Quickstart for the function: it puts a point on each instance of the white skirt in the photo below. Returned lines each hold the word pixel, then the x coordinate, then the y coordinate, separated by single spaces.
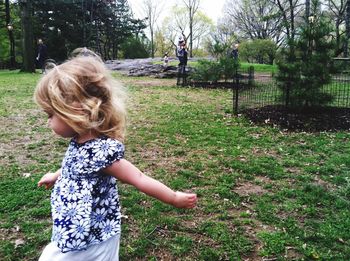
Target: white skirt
pixel 104 251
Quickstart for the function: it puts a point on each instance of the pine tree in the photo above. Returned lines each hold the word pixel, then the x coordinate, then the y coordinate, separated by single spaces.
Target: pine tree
pixel 303 74
pixel 288 75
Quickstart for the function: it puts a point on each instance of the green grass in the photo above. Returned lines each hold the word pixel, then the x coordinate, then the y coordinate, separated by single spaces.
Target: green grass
pixel 262 193
pixel 176 62
pixel 259 68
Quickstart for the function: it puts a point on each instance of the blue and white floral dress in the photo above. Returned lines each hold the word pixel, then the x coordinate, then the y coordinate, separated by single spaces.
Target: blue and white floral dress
pixel 84 201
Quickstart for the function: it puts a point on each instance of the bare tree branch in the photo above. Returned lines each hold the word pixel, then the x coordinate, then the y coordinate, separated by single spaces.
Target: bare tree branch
pixel 152 10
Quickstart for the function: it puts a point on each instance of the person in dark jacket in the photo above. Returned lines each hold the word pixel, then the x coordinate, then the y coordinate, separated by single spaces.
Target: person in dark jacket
pixel 42 55
pixel 234 52
pixel 181 54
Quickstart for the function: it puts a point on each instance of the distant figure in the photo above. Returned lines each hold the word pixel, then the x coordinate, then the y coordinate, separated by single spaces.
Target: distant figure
pixel 165 60
pixel 42 55
pixel 181 54
pixel 234 52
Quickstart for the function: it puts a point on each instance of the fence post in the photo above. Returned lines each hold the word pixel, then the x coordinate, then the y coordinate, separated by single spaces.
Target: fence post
pixel 287 93
pixel 251 76
pixel 235 92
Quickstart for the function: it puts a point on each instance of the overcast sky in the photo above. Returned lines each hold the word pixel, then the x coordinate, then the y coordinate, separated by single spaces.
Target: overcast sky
pixel 212 8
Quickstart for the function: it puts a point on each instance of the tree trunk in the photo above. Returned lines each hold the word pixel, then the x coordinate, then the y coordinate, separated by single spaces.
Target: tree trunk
pixel 347 28
pixel 307 10
pixel 83 8
pixel 152 42
pixel 338 47
pixel 27 36
pixel 191 39
pixel 10 32
pixel 191 14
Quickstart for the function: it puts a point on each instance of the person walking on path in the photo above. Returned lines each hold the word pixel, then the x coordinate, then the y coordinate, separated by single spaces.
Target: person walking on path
pixel 42 55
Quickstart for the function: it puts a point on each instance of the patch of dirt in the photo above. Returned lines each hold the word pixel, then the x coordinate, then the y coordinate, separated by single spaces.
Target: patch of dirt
pixel 290 252
pixel 293 170
pixel 263 77
pixel 19 142
pixel 307 120
pixel 327 185
pixel 263 179
pixel 247 189
pixel 252 232
pixel 14 235
pixel 149 82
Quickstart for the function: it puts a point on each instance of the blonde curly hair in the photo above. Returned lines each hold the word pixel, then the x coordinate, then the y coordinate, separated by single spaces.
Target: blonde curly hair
pixel 82 92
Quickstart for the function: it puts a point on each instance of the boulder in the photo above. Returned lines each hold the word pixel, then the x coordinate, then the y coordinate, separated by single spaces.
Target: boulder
pixel 144 67
pixel 154 70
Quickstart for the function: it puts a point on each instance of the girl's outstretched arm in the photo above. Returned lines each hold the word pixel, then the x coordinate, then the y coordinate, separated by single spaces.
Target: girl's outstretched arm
pixel 49 179
pixel 126 172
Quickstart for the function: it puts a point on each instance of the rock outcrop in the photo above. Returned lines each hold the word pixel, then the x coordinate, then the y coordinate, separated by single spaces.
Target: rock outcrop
pixel 145 67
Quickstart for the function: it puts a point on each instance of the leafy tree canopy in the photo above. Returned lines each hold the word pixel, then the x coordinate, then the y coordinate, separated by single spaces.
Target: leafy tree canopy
pixel 102 26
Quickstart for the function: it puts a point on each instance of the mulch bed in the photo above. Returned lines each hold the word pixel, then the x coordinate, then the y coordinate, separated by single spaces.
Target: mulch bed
pixel 308 120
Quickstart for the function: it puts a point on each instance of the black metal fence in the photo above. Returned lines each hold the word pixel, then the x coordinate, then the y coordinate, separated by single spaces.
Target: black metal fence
pixel 260 94
pixel 4 65
pixel 263 91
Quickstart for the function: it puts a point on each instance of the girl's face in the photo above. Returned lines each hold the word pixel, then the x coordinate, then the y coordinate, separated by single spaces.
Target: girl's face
pixel 60 127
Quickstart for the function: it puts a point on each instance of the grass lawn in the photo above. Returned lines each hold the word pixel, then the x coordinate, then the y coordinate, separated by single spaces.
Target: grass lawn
pixel 258 68
pixel 262 193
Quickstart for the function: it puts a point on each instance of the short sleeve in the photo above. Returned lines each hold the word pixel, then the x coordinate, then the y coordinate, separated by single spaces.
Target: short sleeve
pixel 105 152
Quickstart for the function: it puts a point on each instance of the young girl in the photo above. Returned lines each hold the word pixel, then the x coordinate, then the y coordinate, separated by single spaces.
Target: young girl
pixel 84 103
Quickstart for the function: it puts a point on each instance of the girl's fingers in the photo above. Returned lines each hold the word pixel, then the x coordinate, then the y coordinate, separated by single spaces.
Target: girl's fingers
pixel 41 182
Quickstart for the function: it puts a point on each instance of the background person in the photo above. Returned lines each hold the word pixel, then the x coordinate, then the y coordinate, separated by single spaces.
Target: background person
pixel 234 52
pixel 42 55
pixel 165 60
pixel 181 54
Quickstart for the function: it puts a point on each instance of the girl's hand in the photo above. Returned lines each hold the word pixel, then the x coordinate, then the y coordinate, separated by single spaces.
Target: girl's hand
pixel 48 180
pixel 184 200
